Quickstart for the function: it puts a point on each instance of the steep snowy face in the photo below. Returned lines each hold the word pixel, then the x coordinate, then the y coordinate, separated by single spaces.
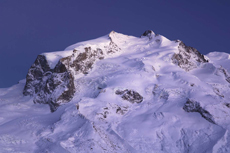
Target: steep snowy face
pixel 51 79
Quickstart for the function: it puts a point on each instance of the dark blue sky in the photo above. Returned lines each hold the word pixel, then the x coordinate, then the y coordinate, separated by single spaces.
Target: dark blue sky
pixel 31 27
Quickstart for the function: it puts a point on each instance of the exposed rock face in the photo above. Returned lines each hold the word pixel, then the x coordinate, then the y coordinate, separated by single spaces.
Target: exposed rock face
pixel 148 33
pixel 49 86
pixel 82 62
pixel 36 72
pixel 227 104
pixel 188 58
pixel 227 76
pixel 56 86
pixel 112 48
pixel 130 95
pixel 193 106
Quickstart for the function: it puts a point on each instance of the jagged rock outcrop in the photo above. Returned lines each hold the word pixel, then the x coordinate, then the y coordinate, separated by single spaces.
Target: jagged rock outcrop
pixel 194 106
pixel 56 86
pixel 188 57
pixel 148 33
pixel 225 72
pixel 227 104
pixel 36 72
pixel 130 95
pixel 49 86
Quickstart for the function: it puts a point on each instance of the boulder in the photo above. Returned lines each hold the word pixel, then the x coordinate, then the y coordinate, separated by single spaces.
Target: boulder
pixel 130 95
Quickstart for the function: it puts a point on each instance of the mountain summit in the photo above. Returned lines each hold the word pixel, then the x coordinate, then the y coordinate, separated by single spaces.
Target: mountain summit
pixel 120 93
pixel 51 79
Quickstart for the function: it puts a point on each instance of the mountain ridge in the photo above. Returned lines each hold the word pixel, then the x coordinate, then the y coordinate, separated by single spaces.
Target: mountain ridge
pixel 120 93
pixel 109 45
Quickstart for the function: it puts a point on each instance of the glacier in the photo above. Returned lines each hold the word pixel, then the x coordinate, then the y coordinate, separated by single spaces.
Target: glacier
pixel 120 93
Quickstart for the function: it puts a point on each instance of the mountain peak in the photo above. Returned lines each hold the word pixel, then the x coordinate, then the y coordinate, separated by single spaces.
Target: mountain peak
pixel 148 33
pixel 120 93
pixel 112 32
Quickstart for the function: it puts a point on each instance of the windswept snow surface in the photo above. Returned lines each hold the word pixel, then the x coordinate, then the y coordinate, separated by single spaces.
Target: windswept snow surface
pixel 100 119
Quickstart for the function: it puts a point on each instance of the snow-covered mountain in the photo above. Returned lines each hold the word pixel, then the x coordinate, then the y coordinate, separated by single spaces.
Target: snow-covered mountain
pixel 120 93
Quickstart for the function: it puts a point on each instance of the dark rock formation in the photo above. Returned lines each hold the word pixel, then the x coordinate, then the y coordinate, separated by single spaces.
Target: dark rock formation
pixel 121 110
pixel 130 95
pixel 148 33
pixel 224 71
pixel 49 86
pixel 188 58
pixel 227 104
pixel 36 72
pixel 217 92
pixel 193 106
pixel 56 86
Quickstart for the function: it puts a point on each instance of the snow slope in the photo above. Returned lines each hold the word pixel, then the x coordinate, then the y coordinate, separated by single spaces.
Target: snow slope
pixel 138 99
